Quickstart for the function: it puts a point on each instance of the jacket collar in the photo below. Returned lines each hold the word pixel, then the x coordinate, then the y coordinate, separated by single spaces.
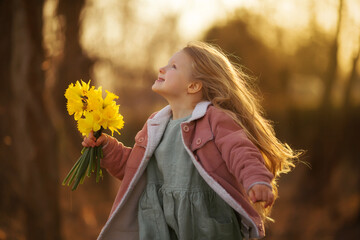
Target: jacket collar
pixel 164 114
pixel 199 111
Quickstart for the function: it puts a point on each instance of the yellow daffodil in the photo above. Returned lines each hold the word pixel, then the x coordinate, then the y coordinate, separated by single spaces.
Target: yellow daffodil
pixel 90 121
pixel 77 98
pixel 111 119
pixel 116 124
pixel 95 100
pixel 109 99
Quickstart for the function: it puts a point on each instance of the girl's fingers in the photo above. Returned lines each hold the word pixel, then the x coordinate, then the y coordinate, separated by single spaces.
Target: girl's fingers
pixel 264 196
pixel 267 197
pixel 91 141
pixel 84 143
pixel 270 200
pixel 252 196
pixel 91 134
pixel 88 142
pixel 101 140
pixel 261 193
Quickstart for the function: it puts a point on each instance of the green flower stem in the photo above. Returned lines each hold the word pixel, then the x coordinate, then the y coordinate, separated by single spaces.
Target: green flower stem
pixel 76 170
pixel 88 162
pixel 93 166
pixel 82 169
pixel 98 156
pixel 92 155
pixel 98 170
pixel 97 134
pixel 72 170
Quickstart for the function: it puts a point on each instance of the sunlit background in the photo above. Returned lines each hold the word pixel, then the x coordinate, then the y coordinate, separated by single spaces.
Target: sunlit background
pixel 304 55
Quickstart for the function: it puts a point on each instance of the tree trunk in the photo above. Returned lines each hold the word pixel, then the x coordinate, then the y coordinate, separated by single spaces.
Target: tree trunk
pixel 330 76
pixel 325 152
pixel 352 80
pixel 75 64
pixel 9 185
pixel 29 131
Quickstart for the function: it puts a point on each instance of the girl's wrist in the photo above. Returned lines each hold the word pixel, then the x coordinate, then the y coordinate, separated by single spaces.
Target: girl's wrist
pixel 259 183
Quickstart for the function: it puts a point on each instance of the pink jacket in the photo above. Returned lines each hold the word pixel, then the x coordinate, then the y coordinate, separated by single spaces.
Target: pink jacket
pixel 227 160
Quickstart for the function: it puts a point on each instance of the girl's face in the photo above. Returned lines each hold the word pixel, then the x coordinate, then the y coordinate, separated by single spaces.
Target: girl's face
pixel 174 78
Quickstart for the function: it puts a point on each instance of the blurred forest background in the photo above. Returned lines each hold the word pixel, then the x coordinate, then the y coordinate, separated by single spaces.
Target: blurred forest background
pixel 305 55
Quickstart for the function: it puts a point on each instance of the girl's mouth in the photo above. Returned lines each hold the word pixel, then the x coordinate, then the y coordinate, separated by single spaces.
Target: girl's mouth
pixel 160 79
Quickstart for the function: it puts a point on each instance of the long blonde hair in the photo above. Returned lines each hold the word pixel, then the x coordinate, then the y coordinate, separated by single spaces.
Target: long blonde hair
pixel 227 87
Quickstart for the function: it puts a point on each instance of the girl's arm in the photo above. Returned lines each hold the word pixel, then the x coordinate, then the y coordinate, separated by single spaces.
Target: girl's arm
pixel 242 158
pixel 115 153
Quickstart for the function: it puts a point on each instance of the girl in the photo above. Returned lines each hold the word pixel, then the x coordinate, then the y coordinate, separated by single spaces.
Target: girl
pixel 199 164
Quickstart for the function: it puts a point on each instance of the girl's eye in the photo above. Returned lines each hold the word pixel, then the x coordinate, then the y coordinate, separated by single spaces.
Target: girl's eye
pixel 173 66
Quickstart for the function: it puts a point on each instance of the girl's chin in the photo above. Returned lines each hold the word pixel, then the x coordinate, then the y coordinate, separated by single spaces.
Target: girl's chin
pixel 156 88
pixel 159 90
pixel 158 83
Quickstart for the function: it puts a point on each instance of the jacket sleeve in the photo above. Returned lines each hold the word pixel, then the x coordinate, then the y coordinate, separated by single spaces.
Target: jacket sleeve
pixel 242 157
pixel 115 157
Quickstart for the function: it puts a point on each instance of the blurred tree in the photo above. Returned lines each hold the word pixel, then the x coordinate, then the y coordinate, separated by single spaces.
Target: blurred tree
pixel 74 64
pixel 29 209
pixel 353 77
pixel 332 122
pixel 330 77
pixel 9 186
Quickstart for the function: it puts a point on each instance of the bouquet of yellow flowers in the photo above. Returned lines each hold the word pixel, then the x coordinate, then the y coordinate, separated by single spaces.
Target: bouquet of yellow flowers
pixel 92 113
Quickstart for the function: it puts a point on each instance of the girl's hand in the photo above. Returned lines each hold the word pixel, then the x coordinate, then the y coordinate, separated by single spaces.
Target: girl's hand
pixel 91 141
pixel 261 193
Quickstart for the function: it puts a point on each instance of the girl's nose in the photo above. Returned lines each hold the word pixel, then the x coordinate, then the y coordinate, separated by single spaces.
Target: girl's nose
pixel 162 70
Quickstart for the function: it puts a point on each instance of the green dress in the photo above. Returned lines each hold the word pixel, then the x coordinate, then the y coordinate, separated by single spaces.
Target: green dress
pixel 177 203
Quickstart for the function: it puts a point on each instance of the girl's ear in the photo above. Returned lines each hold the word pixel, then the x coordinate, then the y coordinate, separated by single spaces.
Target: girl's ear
pixel 194 87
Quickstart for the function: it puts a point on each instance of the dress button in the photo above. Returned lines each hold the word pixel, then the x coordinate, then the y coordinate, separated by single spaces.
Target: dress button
pixel 141 139
pixel 186 128
pixel 198 141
